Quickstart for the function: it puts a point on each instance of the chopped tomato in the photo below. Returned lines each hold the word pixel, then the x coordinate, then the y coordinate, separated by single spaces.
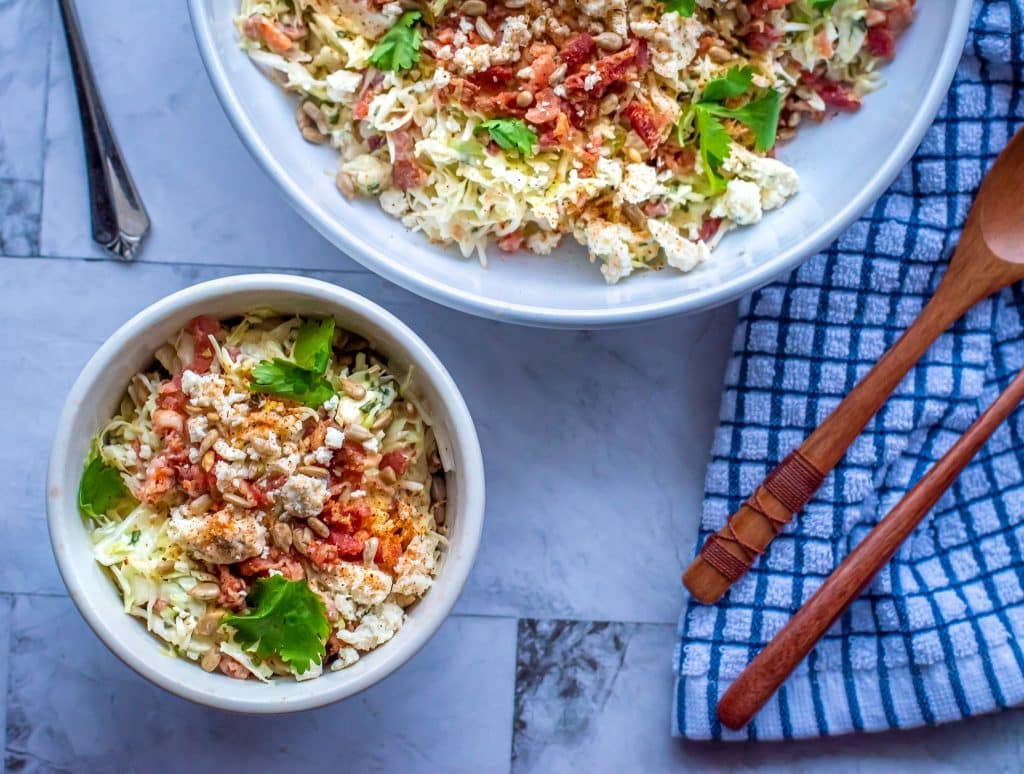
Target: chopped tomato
pixel 577 50
pixel 396 459
pixel 348 546
pixel 643 123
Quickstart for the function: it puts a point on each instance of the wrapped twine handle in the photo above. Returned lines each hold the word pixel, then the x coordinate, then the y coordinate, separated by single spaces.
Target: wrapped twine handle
pixel 990 257
pixel 733 550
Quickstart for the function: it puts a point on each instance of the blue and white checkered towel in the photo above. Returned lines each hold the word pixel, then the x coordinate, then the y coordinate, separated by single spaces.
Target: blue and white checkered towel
pixel 940 634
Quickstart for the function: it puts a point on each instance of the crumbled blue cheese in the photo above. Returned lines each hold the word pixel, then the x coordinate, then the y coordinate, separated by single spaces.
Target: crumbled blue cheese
pixel 611 242
pixel 334 438
pixel 680 252
pixel 375 628
pixel 414 571
pixel 230 535
pixel 639 184
pixel 741 203
pixel 302 496
pixel 776 181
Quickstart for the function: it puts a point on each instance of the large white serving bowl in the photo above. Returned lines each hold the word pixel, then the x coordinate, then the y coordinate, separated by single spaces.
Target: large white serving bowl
pixel 97 393
pixel 844 166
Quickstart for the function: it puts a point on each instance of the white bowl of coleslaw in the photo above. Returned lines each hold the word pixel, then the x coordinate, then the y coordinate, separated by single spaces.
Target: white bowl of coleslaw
pixel 94 398
pixel 843 166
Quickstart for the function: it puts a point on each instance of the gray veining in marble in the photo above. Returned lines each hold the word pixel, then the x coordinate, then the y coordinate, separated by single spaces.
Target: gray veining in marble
pixel 23 64
pixel 559 656
pixel 20 201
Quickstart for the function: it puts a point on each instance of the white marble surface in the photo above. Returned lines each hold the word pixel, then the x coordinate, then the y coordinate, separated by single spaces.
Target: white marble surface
pixel 559 655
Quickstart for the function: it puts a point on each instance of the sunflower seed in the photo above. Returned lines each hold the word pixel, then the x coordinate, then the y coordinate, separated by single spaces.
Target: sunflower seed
pixel 282 535
pixel 353 390
pixel 383 420
pixel 205 591
pixel 210 660
pixel 209 623
pixel 357 433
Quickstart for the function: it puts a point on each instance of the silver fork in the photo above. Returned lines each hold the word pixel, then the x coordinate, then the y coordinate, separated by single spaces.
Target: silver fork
pixel 119 219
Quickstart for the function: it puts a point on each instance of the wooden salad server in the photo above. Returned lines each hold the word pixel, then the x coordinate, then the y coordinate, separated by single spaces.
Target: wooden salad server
pixel 990 257
pixel 770 668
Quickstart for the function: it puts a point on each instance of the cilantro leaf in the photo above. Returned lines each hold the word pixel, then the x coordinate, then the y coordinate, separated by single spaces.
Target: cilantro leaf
pixel 101 488
pixel 822 5
pixel 511 133
pixel 312 349
pixel 732 84
pixel 760 116
pixel 714 144
pixel 286 619
pixel 682 7
pixel 287 380
pixel 399 49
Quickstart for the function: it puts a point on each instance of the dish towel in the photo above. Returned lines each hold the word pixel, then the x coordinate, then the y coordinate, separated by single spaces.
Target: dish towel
pixel 939 635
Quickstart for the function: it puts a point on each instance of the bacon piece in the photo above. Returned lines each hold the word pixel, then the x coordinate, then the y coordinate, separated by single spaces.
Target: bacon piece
pixel 201 329
pixel 170 396
pixel 880 42
pixel 709 228
pixel 643 124
pixel 348 546
pixel 193 479
pixel 259 27
pixel 167 421
pixel 546 107
pixel 542 68
pixel 396 459
pixel 655 209
pixel 838 95
pixel 761 37
pixel 232 589
pixel 232 668
pixel 160 479
pixel 348 518
pixel 493 76
pixel 322 553
pixel 373 82
pixel 759 8
pixel 285 563
pixel 406 173
pixel 591 82
pixel 577 50
pixel 512 243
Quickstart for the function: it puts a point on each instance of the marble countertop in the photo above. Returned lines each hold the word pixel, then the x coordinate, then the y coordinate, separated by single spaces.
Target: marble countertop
pixel 558 657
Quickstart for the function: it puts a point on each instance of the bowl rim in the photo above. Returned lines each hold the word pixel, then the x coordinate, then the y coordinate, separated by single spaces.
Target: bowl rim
pixel 344 236
pixel 461 430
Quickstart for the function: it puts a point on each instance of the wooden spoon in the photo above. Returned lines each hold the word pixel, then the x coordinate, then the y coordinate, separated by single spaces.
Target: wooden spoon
pixel 794 641
pixel 990 256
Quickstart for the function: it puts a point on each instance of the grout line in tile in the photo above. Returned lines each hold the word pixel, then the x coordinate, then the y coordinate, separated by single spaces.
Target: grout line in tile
pixel 5 649
pixel 46 120
pixel 187 264
pixel 481 616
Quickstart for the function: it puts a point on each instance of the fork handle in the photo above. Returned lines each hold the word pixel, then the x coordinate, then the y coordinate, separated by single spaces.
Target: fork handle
pixel 119 219
pixel 728 554
pixel 770 668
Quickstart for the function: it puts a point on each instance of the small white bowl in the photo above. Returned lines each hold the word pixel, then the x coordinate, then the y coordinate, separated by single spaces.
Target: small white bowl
pixel 95 397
